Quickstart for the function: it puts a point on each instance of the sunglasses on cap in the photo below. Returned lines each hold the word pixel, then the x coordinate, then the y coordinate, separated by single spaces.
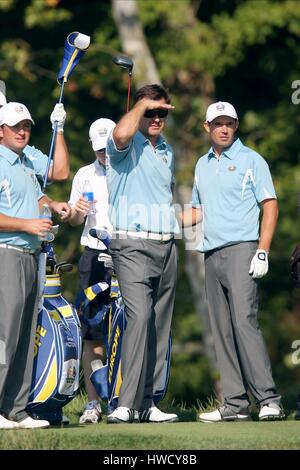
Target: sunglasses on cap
pixel 161 113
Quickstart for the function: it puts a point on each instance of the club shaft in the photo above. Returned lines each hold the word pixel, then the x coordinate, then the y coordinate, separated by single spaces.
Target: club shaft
pixel 128 93
pixel 53 139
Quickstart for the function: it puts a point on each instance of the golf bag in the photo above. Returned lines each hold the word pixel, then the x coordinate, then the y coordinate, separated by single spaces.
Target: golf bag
pixel 107 379
pixel 57 348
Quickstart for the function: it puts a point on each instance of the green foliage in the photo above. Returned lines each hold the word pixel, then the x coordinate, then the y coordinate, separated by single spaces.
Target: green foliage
pixel 43 12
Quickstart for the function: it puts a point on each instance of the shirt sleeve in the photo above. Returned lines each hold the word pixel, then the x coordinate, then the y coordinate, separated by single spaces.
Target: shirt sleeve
pixel 262 180
pixel 196 201
pixel 76 190
pixel 38 160
pixel 115 154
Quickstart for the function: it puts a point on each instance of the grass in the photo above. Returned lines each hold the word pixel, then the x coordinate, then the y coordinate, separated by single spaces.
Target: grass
pixel 185 435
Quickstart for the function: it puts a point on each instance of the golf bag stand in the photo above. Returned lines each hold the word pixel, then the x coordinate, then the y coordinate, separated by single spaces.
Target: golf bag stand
pixel 57 347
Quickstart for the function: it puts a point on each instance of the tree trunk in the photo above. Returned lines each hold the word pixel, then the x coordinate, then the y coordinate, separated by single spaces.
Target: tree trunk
pixel 133 41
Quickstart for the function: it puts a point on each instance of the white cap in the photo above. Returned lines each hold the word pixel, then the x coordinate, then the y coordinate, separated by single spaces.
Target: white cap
pixel 99 132
pixel 12 113
pixel 221 108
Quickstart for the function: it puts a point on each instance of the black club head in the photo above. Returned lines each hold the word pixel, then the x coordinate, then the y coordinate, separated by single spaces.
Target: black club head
pixel 124 62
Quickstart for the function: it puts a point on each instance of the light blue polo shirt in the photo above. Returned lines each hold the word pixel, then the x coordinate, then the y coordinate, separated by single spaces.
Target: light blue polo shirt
pixel 19 194
pixel 139 180
pixel 229 192
pixel 37 160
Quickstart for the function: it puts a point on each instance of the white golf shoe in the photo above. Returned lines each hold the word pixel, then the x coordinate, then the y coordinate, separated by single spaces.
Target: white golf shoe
pixel 224 413
pixel 30 423
pixel 154 415
pixel 7 424
pixel 121 415
pixel 271 412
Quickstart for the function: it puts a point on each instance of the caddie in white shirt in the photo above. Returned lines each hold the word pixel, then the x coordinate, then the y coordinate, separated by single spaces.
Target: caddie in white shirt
pixel 90 270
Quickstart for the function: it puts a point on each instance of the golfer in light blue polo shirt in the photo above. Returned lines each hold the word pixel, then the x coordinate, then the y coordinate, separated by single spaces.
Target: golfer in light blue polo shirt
pixel 20 227
pixel 229 190
pixel 19 194
pixel 139 180
pixel 232 185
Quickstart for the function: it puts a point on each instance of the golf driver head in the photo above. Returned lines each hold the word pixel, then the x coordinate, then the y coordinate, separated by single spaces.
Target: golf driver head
pixel 124 62
pixel 63 267
pixel 51 264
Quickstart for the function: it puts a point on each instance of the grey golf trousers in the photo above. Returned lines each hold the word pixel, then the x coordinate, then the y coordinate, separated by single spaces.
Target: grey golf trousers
pixel 18 319
pixel 233 306
pixel 146 271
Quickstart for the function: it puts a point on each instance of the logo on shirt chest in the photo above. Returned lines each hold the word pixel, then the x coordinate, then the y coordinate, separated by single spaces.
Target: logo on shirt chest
pixel 162 156
pixel 232 168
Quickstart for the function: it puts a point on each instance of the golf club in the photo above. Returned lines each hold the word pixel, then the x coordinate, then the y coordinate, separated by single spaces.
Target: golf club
pixel 126 63
pixel 64 267
pixel 74 48
pixel 101 235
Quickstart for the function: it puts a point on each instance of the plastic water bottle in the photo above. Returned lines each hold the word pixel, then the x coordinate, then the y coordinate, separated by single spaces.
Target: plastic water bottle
pixel 45 213
pixel 88 194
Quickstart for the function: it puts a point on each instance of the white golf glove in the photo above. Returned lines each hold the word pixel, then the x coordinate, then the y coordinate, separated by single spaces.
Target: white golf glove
pixel 58 115
pixel 259 265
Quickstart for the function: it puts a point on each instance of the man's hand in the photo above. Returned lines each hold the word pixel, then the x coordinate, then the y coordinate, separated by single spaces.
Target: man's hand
pixel 61 208
pixel 37 226
pixel 154 104
pixel 82 206
pixel 259 265
pixel 58 115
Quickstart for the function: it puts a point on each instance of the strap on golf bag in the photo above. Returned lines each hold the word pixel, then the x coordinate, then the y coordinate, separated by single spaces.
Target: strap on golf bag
pixel 57 353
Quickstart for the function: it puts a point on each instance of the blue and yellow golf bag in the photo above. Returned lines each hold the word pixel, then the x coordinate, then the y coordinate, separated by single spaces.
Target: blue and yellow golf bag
pixel 57 351
pixel 107 379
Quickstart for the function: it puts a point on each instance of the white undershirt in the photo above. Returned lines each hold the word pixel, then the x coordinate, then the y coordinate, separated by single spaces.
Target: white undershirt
pixel 95 173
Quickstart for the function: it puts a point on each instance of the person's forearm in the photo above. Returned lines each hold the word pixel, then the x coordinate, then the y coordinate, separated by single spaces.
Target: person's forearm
pixel 12 224
pixel 268 224
pixel 44 200
pixel 60 168
pixel 128 125
pixel 76 218
pixel 190 217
